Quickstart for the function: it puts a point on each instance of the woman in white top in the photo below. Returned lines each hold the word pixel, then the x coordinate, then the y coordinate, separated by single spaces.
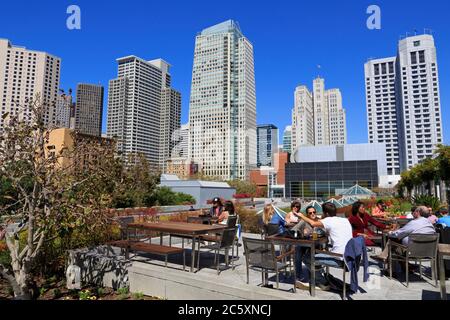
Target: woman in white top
pixel 227 211
pixel 292 217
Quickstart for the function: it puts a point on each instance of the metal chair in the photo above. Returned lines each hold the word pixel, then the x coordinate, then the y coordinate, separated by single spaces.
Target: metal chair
pixel 421 247
pixel 342 265
pixel 260 255
pixel 226 241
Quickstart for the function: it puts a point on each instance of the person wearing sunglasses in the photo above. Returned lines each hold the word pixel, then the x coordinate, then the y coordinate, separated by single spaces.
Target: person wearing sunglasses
pixel 305 230
pixel 292 217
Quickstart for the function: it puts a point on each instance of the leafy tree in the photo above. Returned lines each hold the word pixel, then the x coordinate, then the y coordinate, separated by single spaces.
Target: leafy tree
pixel 244 187
pixel 52 200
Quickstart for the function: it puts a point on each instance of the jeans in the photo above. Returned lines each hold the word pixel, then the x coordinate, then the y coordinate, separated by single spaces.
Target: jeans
pixel 323 260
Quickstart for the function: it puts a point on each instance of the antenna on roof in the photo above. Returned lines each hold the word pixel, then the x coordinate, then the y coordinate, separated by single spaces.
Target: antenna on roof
pixel 318 69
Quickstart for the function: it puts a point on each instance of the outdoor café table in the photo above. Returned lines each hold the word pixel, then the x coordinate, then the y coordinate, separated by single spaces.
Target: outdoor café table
pixel 307 243
pixel 193 230
pixel 444 254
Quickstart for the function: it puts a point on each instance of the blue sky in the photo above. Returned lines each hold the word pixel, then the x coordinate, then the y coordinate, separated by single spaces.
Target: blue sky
pixel 290 39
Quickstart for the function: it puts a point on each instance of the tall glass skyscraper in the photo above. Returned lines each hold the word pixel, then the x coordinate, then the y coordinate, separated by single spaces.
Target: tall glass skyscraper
pixel 267 146
pixel 222 113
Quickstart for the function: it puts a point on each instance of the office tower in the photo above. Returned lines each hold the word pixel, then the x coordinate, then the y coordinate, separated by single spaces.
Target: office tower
pixel 267 144
pixel 63 111
pixel 181 138
pixel 381 109
pixel 222 112
pixel 337 118
pixel 23 75
pixel 170 123
pixel 302 119
pixel 287 139
pixel 318 118
pixel 89 109
pixel 140 105
pixel 409 81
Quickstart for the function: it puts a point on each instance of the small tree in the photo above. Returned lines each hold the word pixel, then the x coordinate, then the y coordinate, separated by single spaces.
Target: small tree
pixel 51 199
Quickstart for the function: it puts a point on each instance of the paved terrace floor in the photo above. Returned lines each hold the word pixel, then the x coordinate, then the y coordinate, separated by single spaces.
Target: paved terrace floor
pixel 379 287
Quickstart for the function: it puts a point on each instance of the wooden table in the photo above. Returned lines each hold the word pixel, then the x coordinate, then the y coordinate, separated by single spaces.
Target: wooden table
pixel 193 230
pixel 311 244
pixel 444 254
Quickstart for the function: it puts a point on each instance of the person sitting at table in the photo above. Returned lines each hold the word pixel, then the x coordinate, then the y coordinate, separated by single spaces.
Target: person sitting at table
pixel 227 211
pixel 431 216
pixel 444 219
pixel 292 217
pixel 305 230
pixel 217 208
pixel 360 221
pixel 380 210
pixel 340 233
pixel 419 225
pixel 267 214
pixel 279 220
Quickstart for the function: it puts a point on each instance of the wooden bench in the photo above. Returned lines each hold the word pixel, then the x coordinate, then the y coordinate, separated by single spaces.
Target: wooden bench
pixel 139 246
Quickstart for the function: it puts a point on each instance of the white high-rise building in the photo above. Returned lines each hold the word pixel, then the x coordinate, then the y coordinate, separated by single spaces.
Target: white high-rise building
pixel 181 139
pixel 381 109
pixel 302 119
pixel 140 108
pixel 403 103
pixel 287 139
pixel 318 118
pixel 222 113
pixel 23 75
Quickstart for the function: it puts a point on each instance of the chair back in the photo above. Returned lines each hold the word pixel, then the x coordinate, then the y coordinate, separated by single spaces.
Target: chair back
pixel 231 221
pixel 228 237
pixel 423 245
pixel 271 229
pixel 259 253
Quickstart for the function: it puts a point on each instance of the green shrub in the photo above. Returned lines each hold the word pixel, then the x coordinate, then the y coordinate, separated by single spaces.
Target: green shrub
pixel 428 201
pixel 138 296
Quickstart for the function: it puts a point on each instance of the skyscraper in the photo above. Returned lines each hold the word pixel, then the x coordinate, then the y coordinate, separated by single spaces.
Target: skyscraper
pixel 63 110
pixel 181 138
pixel 267 144
pixel 287 139
pixel 222 113
pixel 403 103
pixel 318 118
pixel 89 109
pixel 24 74
pixel 302 119
pixel 140 105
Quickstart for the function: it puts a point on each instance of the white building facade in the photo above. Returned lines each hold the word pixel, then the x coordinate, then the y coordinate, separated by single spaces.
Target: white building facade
pixel 222 112
pixel 318 117
pixel 140 109
pixel 23 75
pixel 403 103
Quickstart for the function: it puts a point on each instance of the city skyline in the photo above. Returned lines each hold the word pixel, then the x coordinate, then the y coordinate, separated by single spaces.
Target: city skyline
pixel 352 31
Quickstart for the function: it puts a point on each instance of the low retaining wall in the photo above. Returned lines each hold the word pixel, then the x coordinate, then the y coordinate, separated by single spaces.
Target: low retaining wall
pixel 103 266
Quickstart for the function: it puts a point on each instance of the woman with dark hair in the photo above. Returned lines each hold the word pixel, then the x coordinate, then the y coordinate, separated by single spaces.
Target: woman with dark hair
pixel 228 210
pixel 360 221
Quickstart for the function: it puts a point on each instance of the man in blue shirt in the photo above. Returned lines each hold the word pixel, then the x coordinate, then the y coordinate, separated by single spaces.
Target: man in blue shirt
pixel 445 220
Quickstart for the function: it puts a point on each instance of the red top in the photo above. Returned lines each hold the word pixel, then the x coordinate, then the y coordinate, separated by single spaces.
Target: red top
pixel 361 225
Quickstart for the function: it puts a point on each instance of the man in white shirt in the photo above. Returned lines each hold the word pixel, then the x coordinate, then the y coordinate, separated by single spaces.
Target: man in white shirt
pixel 339 231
